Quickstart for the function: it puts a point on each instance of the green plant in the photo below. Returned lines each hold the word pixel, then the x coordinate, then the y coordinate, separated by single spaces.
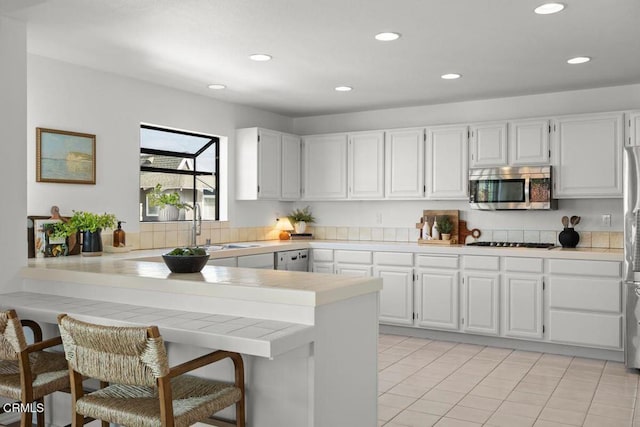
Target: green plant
pixel 445 226
pixel 83 221
pixel 161 199
pixel 188 252
pixel 301 215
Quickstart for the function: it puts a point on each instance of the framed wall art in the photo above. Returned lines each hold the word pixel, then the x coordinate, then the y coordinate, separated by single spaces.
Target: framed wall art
pixel 65 157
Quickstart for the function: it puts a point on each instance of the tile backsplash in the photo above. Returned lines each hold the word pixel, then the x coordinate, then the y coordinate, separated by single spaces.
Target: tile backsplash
pixel 169 234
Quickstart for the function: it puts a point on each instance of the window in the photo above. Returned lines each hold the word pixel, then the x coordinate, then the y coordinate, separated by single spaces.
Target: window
pixel 180 162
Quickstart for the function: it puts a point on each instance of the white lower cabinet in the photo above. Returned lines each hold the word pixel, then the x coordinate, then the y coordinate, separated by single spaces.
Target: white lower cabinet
pixel 481 300
pixel 586 310
pixel 264 261
pixel 354 270
pixel 437 299
pixel 322 267
pixel 522 306
pixel 396 296
pixel 322 261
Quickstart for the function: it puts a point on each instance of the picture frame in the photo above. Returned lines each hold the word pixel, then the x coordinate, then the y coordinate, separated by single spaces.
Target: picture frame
pixel 37 240
pixel 65 157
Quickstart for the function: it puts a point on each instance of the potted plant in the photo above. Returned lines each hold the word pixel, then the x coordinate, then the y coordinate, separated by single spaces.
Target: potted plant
pixel 445 226
pixel 90 225
pixel 169 204
pixel 300 217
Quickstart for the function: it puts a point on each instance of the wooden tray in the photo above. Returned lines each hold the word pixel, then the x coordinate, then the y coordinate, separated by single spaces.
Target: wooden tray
pixel 429 215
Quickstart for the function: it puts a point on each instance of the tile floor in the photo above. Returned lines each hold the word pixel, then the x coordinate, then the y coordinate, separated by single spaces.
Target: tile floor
pixel 426 383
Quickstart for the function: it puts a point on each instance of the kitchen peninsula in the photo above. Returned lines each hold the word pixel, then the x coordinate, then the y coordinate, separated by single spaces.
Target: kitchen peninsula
pixel 309 361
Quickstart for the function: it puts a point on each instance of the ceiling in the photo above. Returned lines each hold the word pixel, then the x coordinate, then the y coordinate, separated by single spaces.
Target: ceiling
pixel 499 46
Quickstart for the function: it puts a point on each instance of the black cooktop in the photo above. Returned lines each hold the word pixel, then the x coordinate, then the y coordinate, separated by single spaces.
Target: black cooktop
pixel 513 245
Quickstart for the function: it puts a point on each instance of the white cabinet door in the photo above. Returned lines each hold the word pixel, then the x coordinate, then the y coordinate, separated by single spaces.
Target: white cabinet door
pixel 489 145
pixel 481 309
pixel 269 164
pixel 588 156
pixel 633 128
pixel 264 261
pixel 354 270
pixel 437 299
pixel 523 306
pixel 325 167
pixel 366 165
pixel 396 296
pixel 404 163
pixel 322 267
pixel 529 142
pixel 290 167
pixel 447 167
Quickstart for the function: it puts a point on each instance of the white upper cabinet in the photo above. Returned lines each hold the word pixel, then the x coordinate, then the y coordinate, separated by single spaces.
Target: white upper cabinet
pixel 447 168
pixel 325 167
pixel 529 142
pixel 290 167
pixel 366 165
pixel 633 128
pixel 489 144
pixel 587 156
pixel 258 159
pixel 404 163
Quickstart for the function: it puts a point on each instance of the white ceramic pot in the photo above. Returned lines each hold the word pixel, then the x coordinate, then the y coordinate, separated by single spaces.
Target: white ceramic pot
pixel 446 236
pixel 300 227
pixel 168 213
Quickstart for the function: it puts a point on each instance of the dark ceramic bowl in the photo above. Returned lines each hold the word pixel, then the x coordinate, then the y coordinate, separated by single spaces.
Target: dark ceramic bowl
pixel 185 263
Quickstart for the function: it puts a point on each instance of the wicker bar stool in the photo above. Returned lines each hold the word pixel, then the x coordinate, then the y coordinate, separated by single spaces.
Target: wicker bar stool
pixel 142 390
pixel 27 373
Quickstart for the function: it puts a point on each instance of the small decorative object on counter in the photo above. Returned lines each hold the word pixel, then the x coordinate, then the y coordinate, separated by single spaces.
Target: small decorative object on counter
pixel 445 226
pixel 435 232
pixel 90 225
pixel 425 229
pixel 568 237
pixel 119 236
pixel 285 227
pixel 300 217
pixel 186 260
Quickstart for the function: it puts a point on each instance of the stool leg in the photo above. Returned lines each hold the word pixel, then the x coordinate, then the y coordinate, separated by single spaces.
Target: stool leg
pixel 25 419
pixel 104 384
pixel 40 414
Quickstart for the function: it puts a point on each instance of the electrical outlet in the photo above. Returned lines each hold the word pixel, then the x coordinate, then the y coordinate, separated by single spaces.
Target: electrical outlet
pixel 606 220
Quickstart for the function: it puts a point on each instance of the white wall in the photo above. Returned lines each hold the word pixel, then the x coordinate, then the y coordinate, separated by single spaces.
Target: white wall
pixel 13 151
pixel 68 97
pixel 406 213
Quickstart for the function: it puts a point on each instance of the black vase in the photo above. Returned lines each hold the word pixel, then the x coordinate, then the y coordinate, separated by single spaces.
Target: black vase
pixel 569 238
pixel 92 243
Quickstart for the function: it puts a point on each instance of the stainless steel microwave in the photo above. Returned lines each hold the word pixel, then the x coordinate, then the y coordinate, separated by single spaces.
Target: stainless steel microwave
pixel 511 188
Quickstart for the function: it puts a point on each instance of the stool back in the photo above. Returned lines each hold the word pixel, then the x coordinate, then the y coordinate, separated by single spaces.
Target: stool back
pixel 115 354
pixel 12 340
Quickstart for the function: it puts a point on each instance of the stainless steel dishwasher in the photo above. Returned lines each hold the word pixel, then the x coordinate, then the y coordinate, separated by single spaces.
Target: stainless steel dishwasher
pixel 297 260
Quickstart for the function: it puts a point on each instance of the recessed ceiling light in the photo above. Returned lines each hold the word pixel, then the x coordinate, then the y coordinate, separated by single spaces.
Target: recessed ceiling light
pixel 579 60
pixel 260 57
pixel 387 37
pixel 548 8
pixel 451 76
pixel 344 88
pixel 217 86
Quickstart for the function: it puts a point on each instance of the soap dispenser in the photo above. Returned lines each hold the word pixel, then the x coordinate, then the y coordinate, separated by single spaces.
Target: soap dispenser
pixel 119 236
pixel 435 233
pixel 425 229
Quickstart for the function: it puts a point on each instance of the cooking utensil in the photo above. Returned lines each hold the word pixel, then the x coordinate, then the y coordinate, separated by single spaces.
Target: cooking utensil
pixel 573 220
pixel 565 221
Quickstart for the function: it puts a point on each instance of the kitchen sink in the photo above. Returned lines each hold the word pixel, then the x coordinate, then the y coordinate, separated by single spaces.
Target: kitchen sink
pixel 230 246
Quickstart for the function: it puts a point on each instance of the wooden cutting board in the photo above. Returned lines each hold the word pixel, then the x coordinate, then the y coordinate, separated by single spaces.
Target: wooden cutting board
pixel 463 232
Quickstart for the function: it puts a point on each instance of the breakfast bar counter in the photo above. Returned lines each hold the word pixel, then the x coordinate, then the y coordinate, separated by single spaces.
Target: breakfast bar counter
pixel 308 340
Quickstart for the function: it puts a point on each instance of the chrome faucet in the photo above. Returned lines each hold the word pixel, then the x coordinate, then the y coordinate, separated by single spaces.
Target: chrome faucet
pixel 197 224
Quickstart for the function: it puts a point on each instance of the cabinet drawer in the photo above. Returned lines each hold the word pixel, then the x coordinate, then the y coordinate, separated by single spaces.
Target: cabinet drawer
pixel 324 255
pixel 475 262
pixel 581 293
pixel 525 265
pixel 437 261
pixel 353 257
pixel 584 268
pixel 256 261
pixel 393 258
pixel 590 329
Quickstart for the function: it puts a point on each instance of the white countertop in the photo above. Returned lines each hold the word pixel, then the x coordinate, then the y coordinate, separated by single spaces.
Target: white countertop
pixel 256 337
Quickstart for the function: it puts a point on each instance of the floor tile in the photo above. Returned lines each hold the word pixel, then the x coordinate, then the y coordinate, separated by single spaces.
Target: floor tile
pixel 469 414
pixel 431 407
pixel 492 392
pixel 524 397
pixel 410 390
pixel 611 411
pixel 395 401
pixel 479 402
pixel 598 421
pixel 385 413
pixel 451 422
pixel 522 409
pixel 572 405
pixel 562 416
pixel 506 420
pixel 543 423
pixel 444 396
pixel 415 419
